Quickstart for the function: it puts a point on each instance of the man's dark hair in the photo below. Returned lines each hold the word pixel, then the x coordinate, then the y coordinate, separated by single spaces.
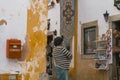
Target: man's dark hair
pixel 58 41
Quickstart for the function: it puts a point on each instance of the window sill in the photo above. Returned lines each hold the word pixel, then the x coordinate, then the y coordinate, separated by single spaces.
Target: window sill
pixel 83 56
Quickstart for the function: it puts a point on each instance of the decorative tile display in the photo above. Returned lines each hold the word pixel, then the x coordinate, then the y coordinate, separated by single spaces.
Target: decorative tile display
pixel 67 17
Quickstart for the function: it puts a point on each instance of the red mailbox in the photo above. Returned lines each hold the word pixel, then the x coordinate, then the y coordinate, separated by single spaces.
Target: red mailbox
pixel 13 48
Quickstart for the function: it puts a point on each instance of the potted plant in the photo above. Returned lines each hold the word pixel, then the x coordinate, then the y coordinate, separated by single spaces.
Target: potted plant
pixel 57 1
pixel 52 3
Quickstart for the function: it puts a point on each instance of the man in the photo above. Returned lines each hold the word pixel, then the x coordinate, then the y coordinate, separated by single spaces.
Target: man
pixel 62 58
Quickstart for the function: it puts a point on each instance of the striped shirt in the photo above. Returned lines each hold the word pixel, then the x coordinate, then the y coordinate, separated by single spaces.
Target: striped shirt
pixel 62 57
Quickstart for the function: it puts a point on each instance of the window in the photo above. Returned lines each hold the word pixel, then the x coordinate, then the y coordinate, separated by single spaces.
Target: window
pixel 88 36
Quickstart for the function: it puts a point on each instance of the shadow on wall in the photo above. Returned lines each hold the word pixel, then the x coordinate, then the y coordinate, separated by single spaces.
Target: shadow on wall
pixel 25 50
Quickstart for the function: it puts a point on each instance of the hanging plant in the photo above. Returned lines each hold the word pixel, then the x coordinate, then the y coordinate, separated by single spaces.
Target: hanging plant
pixel 52 3
pixel 2 22
pixel 116 33
pixel 57 1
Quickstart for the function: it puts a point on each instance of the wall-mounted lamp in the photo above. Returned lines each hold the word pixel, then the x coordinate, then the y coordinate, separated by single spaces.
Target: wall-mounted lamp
pixel 106 16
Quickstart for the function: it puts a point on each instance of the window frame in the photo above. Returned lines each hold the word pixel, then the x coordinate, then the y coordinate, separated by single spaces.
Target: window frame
pixel 84 26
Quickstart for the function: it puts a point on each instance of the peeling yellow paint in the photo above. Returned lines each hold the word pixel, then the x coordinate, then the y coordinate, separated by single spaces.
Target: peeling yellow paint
pixel 73 71
pixel 36 31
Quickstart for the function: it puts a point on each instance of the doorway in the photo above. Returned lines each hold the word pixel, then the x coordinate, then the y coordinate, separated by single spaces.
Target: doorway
pixel 118 65
pixel 116 51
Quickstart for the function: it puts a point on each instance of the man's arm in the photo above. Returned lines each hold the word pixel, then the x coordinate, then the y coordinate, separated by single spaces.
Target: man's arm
pixel 67 53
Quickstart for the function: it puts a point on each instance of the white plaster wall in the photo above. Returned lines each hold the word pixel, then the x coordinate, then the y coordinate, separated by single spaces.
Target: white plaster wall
pixel 93 10
pixel 54 16
pixel 15 14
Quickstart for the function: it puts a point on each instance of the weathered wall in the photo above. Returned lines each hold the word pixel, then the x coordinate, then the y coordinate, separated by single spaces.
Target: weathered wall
pixel 86 71
pixel 36 32
pixel 13 21
pixel 89 11
pixel 25 20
